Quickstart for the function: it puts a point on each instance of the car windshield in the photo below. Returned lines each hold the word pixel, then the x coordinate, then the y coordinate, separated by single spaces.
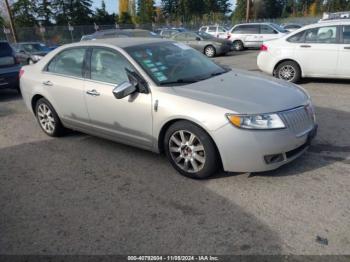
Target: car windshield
pixel 279 28
pixel 32 48
pixel 170 63
pixel 205 35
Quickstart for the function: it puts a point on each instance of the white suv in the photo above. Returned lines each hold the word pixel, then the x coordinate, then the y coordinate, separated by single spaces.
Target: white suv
pixel 318 50
pixel 216 31
pixel 252 35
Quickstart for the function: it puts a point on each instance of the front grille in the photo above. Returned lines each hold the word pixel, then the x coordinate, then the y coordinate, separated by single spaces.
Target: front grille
pixel 298 120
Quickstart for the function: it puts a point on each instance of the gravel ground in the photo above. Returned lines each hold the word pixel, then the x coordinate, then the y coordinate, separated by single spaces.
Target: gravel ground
pixel 85 195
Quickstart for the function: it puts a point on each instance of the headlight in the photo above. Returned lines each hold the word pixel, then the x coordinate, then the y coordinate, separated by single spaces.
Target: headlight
pixel 36 57
pixel 261 121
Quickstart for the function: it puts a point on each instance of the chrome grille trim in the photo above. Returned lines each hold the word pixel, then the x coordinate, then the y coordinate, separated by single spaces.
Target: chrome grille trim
pixel 299 120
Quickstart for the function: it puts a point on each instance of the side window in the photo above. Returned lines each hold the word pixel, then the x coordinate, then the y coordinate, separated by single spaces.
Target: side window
pixel 212 29
pixel 203 29
pixel 297 38
pixel 267 30
pixel 346 34
pixel 191 36
pixel 69 62
pixel 248 29
pixel 109 66
pixel 180 37
pixel 237 29
pixel 322 35
pixel 221 29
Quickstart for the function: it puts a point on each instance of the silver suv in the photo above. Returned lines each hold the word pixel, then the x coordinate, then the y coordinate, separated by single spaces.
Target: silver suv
pixel 252 35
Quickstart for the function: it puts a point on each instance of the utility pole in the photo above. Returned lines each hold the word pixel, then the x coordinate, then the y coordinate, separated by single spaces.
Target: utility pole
pixel 11 21
pixel 247 16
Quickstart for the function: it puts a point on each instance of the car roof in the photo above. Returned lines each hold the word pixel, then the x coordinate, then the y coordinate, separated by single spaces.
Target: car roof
pixel 123 42
pixel 342 21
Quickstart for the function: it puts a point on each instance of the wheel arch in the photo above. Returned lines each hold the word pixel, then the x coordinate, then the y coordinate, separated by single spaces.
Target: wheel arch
pixel 286 60
pixel 34 100
pixel 165 127
pixel 209 45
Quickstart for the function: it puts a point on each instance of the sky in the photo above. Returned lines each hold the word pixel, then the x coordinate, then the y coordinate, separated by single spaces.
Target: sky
pixel 112 5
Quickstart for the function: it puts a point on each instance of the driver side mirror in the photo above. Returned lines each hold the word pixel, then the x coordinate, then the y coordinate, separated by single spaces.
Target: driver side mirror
pixel 124 89
pixel 198 38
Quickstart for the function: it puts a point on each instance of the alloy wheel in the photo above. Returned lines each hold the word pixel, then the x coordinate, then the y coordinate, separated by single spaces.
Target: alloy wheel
pixel 287 73
pixel 187 151
pixel 209 51
pixel 46 119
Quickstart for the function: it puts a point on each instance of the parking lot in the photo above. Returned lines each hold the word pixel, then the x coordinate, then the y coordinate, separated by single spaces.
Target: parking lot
pixel 85 195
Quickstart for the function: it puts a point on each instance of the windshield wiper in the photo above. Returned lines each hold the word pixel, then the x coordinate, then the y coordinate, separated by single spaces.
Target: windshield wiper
pixel 181 81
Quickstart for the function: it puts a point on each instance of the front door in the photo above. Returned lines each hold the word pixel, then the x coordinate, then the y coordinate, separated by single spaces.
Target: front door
pixel 129 119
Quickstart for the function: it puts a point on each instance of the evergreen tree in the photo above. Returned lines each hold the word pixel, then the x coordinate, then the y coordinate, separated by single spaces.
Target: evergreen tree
pixel 76 12
pixel 239 13
pixel 102 17
pixel 44 12
pixel 145 11
pixel 24 13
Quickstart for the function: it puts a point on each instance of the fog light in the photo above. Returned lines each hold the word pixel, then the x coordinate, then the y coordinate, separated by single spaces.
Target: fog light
pixel 272 159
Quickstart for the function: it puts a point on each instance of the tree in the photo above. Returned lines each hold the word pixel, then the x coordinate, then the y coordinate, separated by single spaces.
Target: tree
pixel 102 17
pixel 239 13
pixel 125 19
pixel 145 11
pixel 24 13
pixel 123 6
pixel 76 12
pixel 44 12
pixel 2 21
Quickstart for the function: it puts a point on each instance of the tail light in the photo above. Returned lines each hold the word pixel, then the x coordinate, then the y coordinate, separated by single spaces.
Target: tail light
pixel 264 48
pixel 17 60
pixel 21 72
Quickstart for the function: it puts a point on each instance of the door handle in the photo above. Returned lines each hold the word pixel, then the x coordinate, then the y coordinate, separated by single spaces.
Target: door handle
pixel 347 47
pixel 305 46
pixel 93 92
pixel 47 83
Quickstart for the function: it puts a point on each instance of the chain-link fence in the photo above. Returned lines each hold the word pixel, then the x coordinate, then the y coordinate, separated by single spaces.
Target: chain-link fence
pixel 57 35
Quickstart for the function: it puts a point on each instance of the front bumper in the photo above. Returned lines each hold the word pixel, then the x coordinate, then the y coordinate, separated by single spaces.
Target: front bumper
pixel 249 150
pixel 223 49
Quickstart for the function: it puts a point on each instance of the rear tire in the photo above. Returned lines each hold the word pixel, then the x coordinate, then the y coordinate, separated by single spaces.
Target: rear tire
pixel 191 150
pixel 238 45
pixel 288 71
pixel 48 119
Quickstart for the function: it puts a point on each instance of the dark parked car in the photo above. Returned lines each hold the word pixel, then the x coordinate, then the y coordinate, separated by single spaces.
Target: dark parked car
pixel 9 67
pixel 205 43
pixel 115 33
pixel 30 52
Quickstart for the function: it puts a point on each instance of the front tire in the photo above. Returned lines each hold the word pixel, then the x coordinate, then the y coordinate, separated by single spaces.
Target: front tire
pixel 288 71
pixel 210 51
pixel 48 118
pixel 191 150
pixel 238 45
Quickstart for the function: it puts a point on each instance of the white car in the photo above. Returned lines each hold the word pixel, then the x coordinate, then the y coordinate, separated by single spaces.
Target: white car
pixel 252 35
pixel 318 50
pixel 216 31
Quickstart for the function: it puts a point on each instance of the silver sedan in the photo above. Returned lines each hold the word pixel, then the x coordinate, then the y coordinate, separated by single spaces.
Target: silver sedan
pixel 166 97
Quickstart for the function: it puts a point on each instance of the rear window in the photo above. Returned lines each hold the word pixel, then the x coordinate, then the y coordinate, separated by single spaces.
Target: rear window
pixel 5 49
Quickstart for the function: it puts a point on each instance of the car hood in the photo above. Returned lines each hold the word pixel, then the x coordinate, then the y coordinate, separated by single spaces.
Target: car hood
pixel 245 93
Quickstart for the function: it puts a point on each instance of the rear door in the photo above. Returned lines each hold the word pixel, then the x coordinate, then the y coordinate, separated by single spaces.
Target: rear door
pixel 318 54
pixel 343 67
pixel 63 81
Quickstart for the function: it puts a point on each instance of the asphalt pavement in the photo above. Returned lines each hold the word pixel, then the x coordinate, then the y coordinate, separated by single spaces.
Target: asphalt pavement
pixel 85 195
